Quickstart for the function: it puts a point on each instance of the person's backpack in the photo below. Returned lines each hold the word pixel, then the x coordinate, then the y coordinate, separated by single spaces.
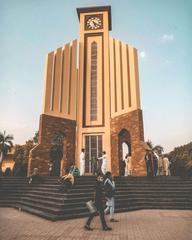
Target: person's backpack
pixel 108 189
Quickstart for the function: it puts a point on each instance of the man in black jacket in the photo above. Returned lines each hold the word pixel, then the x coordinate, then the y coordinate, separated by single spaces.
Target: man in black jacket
pixel 98 200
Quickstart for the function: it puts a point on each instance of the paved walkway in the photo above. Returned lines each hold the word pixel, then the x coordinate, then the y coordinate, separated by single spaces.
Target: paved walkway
pixel 137 225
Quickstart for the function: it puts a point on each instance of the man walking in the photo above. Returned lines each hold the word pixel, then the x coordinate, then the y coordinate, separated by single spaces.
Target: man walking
pixel 98 200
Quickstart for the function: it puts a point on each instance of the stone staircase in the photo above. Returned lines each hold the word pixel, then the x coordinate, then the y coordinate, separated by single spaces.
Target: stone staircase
pixel 132 193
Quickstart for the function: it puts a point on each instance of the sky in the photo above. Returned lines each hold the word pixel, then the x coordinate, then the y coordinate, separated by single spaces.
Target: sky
pixel 161 30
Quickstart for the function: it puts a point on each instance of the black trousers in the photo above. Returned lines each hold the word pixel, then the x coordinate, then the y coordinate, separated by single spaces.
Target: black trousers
pixel 102 217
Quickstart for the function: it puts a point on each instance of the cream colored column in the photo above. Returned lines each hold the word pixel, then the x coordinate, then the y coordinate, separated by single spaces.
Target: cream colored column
pixel 105 130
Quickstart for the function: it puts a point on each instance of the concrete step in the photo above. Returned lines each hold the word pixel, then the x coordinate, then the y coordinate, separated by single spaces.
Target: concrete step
pixel 132 193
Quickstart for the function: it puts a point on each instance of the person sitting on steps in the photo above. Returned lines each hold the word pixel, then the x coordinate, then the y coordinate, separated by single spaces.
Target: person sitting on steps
pixel 67 181
pixel 35 178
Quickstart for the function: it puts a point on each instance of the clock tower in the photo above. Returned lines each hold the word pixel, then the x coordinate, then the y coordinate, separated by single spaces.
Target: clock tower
pixel 91 101
pixel 93 111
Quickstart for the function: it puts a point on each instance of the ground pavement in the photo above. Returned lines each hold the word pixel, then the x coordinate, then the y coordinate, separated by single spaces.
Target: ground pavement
pixel 136 225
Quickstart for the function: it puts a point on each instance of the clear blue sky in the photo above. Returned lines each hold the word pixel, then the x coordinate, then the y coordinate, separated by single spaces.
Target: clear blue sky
pixel 161 30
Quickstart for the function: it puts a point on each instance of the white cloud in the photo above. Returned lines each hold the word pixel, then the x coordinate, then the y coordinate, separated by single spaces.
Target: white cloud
pixel 142 54
pixel 167 37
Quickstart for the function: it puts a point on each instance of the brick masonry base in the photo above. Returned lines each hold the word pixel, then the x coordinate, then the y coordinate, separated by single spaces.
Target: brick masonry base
pixel 40 155
pixel 132 123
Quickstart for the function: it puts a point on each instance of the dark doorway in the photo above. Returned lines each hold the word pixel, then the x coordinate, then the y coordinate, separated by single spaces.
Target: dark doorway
pixel 93 150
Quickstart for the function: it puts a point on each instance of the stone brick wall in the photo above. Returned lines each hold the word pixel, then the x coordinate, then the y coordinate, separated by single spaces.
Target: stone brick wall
pixel 48 127
pixel 133 123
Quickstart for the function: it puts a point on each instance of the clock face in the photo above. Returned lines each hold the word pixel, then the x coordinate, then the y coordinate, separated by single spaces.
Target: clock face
pixel 93 23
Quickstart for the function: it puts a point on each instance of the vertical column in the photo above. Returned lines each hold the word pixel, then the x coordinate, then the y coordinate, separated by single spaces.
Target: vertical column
pixel 47 82
pixel 132 76
pixel 128 76
pixel 66 70
pixel 137 79
pixel 52 83
pixel 112 77
pixel 57 79
pixel 118 76
pixel 73 91
pixel 125 76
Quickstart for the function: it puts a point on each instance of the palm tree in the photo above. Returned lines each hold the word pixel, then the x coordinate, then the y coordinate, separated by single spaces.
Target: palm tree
pixel 5 145
pixel 157 148
pixel 149 143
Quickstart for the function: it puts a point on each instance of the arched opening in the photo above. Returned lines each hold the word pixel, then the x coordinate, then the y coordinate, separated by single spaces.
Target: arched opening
pixel 124 147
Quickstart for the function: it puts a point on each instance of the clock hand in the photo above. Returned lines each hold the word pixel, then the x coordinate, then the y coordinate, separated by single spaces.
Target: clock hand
pixel 96 21
pixel 92 24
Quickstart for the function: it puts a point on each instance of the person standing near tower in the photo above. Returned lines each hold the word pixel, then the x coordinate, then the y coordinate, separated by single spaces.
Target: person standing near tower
pixel 104 162
pixel 82 162
pixel 166 165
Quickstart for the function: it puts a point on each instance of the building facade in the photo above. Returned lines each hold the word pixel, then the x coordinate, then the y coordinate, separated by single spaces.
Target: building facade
pixel 91 95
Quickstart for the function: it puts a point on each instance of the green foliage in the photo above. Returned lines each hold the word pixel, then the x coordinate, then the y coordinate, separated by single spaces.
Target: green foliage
pixel 181 153
pixel 36 137
pixel 149 143
pixel 5 143
pixel 21 157
pixel 22 152
pixel 56 151
pixel 182 158
pixel 158 148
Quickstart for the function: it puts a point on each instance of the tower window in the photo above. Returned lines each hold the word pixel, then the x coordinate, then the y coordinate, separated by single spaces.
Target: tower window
pixel 93 150
pixel 93 84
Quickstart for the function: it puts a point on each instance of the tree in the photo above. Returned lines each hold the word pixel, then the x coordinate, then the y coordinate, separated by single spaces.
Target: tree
pixel 36 137
pixel 21 156
pixel 158 148
pixel 19 159
pixel 188 162
pixel 56 152
pixel 181 158
pixel 5 145
pixel 149 143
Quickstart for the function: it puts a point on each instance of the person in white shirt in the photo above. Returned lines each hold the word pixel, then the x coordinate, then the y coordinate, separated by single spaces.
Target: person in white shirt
pixel 166 164
pixel 82 162
pixel 157 160
pixel 104 163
